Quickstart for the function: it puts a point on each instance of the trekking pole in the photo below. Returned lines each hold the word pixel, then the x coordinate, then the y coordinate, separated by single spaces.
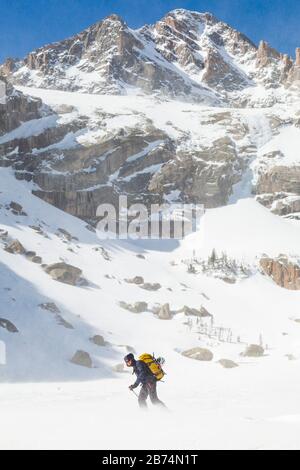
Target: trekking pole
pixel 135 393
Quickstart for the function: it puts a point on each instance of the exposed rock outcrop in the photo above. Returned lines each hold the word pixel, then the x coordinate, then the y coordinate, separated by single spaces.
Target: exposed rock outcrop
pixel 278 187
pixel 265 54
pixel 199 181
pixel 283 271
pixel 220 74
pixel 51 307
pixel 278 179
pixel 293 78
pixel 17 108
pixel 297 62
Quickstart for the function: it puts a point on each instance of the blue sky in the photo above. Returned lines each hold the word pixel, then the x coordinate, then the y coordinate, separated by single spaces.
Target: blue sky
pixel 28 24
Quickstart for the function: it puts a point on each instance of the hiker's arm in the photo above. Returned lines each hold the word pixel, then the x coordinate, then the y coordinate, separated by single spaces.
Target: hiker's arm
pixel 141 375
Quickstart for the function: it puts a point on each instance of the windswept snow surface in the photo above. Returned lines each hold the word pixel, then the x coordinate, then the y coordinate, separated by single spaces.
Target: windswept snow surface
pixel 48 403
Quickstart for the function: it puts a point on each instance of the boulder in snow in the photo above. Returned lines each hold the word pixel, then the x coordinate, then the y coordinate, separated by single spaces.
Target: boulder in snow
pixel 200 354
pixel 137 307
pixel 98 340
pixel 164 312
pixel 290 357
pixel 151 286
pixel 8 325
pixel 253 350
pixel 15 248
pixel 228 364
pixel 17 209
pixel 138 280
pixel 65 234
pixel 82 358
pixel 32 256
pixel 3 234
pixel 37 229
pixel 202 312
pixel 50 307
pixel 15 206
pixel 62 322
pixel 64 272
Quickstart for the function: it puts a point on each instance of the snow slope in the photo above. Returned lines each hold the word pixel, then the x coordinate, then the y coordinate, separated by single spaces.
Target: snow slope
pixel 47 402
pixel 247 230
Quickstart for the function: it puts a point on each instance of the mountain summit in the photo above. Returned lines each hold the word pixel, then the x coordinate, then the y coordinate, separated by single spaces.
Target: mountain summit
pixel 187 55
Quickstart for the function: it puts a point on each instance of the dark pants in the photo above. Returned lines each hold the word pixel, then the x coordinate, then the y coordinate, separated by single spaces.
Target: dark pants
pixel 149 389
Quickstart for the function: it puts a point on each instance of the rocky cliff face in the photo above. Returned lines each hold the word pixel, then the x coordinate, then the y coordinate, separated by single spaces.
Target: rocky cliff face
pixel 17 108
pixel 188 109
pixel 265 55
pixel 283 271
pixel 78 161
pixel 293 78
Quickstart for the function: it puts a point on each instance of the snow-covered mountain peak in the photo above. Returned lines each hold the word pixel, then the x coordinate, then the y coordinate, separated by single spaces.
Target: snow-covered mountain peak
pixel 192 16
pixel 188 55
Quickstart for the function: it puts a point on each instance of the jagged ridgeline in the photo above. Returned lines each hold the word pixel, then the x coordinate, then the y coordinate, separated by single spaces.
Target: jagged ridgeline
pixel 186 110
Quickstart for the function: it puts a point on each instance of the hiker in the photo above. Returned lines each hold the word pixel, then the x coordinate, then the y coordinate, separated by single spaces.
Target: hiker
pixel 145 378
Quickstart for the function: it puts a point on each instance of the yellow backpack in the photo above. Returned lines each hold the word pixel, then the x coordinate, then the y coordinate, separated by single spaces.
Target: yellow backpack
pixel 153 364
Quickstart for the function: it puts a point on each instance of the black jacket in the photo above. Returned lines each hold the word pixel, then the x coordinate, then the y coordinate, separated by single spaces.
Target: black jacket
pixel 143 374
